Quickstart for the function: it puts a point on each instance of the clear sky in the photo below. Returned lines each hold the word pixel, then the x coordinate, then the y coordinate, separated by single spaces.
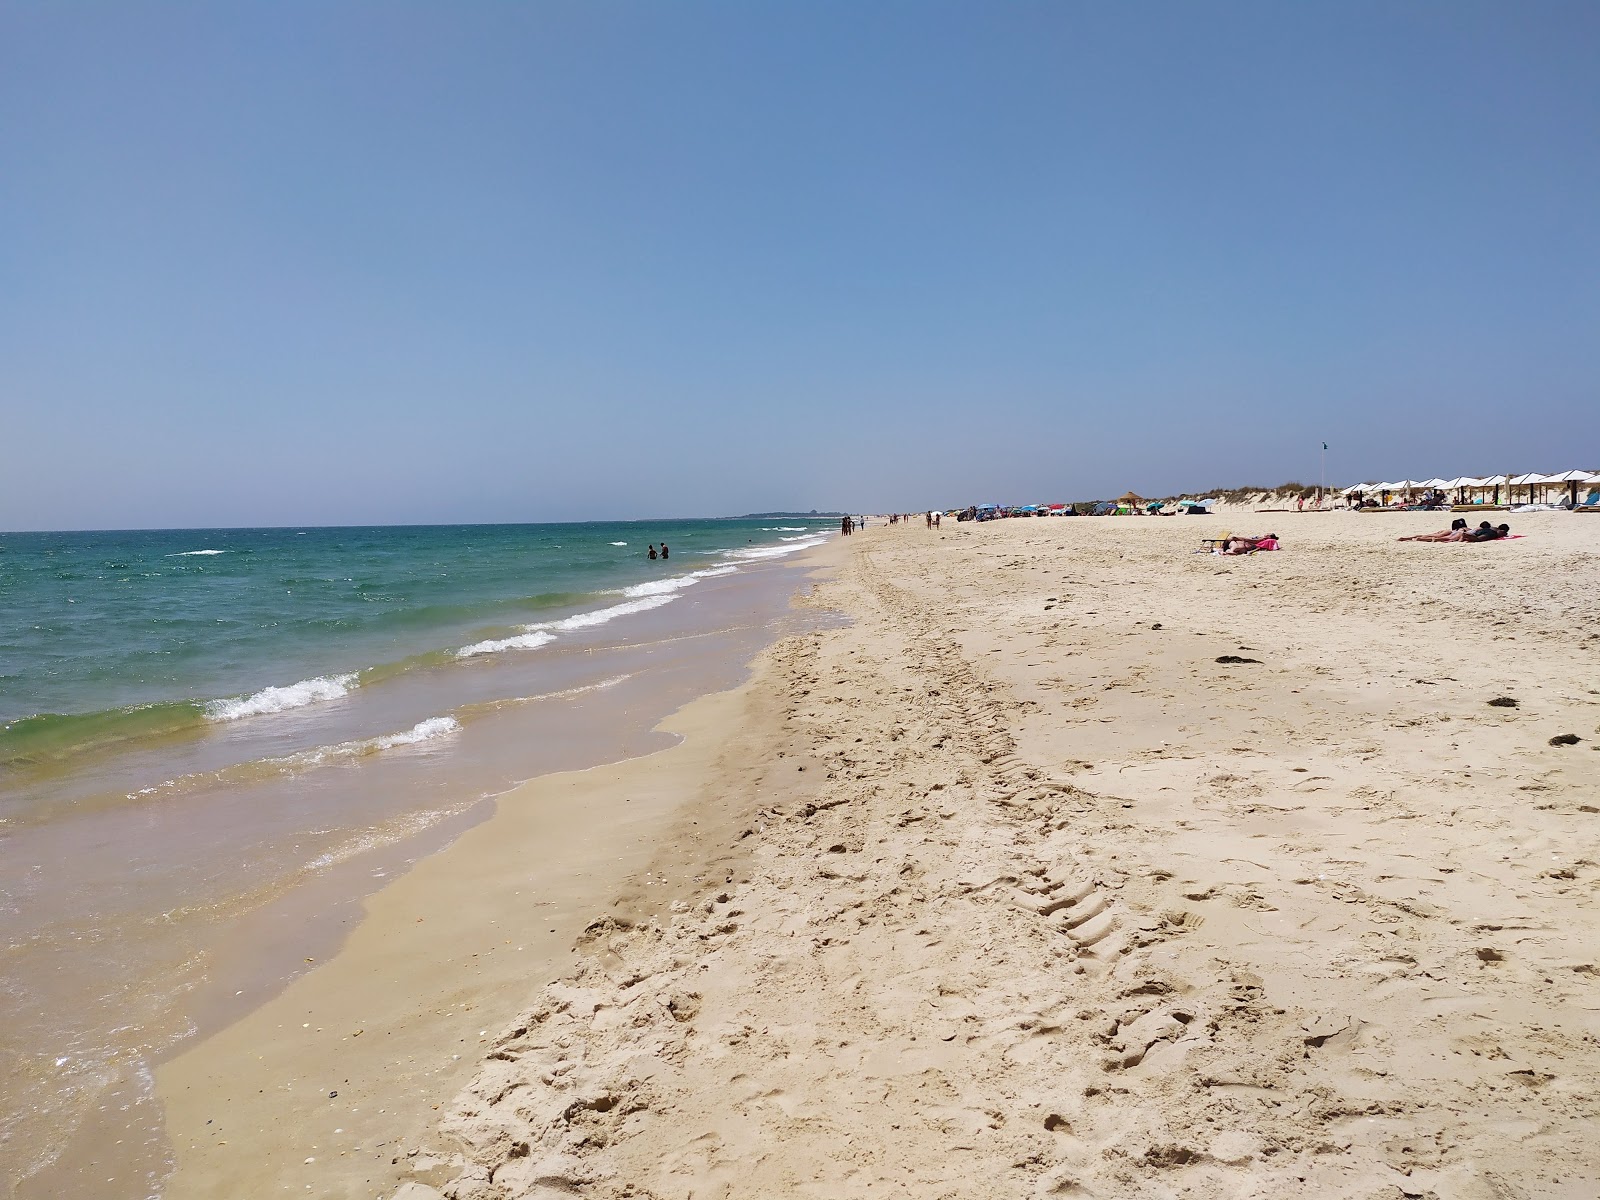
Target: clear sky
pixel 285 263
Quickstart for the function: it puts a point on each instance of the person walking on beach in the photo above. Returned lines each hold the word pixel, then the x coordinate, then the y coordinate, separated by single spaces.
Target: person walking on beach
pixel 652 552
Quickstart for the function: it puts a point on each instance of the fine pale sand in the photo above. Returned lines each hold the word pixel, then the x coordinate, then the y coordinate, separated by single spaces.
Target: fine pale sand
pixel 1012 888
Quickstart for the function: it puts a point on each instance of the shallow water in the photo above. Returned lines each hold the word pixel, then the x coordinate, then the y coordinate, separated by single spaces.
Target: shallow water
pixel 130 868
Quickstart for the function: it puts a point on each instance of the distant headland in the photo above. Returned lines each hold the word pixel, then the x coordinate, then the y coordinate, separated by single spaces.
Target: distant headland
pixel 773 516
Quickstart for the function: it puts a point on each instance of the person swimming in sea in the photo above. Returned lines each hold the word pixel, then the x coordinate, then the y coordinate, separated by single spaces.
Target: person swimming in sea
pixel 653 555
pixel 665 553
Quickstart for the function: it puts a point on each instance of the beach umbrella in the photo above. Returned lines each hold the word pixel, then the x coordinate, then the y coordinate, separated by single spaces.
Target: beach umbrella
pixel 1493 481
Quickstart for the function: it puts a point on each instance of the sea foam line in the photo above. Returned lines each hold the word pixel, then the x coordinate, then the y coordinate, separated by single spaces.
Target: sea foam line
pixel 423 731
pixel 676 583
pixel 280 699
pixel 396 829
pixel 641 597
pixel 600 616
pixel 430 729
pixel 751 553
pixel 530 639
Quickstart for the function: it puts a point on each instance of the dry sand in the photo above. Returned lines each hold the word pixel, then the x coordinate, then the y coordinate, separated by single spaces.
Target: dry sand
pixel 1012 888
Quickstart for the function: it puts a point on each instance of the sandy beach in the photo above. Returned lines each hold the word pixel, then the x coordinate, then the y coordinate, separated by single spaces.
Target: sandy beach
pixel 1077 863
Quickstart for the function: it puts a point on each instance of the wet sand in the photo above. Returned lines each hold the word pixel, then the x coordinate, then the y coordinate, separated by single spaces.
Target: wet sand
pixel 1115 871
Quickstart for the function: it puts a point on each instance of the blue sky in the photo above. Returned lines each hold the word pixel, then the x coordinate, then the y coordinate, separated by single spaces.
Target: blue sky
pixel 289 263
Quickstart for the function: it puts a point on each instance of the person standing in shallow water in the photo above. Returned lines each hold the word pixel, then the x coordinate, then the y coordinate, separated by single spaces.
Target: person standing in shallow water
pixel 652 551
pixel 664 551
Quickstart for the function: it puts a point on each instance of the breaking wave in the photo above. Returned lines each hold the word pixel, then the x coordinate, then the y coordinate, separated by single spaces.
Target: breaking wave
pixel 280 699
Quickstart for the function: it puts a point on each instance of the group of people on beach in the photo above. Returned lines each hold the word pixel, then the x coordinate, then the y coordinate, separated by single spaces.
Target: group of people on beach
pixel 1459 532
pixel 664 551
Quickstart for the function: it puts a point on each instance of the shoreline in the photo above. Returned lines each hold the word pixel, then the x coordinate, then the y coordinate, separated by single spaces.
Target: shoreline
pixel 402 981
pixel 334 833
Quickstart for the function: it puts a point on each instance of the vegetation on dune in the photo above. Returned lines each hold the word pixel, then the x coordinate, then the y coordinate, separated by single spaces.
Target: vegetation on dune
pixel 1235 495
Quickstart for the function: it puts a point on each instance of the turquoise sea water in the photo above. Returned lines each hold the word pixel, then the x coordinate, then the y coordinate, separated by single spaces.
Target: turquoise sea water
pixel 107 638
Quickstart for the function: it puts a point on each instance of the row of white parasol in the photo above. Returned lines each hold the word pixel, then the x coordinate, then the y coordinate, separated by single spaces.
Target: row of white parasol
pixel 1470 484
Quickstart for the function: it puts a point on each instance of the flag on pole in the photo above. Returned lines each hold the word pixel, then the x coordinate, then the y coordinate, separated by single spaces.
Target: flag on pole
pixel 1324 445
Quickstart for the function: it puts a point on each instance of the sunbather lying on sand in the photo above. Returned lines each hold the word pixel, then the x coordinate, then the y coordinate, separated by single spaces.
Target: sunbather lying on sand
pixel 1458 532
pixel 1248 545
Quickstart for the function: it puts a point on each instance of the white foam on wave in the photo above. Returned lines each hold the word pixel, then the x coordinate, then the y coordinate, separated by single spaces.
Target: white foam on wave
pixel 187 553
pixel 641 597
pixel 753 553
pixel 619 543
pixel 423 731
pixel 281 699
pixel 661 587
pixel 676 583
pixel 531 638
pixel 600 616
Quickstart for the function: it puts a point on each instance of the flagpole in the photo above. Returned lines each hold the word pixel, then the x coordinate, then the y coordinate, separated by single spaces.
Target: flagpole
pixel 1323 491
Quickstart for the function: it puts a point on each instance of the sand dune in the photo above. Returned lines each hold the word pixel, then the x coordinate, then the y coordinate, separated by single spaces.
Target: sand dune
pixel 1068 906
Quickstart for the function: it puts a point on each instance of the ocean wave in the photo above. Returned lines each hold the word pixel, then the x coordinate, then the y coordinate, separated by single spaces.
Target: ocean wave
pixel 676 583
pixel 661 587
pixel 280 699
pixel 189 553
pixel 423 731
pixel 619 543
pixel 530 639
pixel 489 706
pixel 753 553
pixel 600 616
pixel 258 769
pixel 54 737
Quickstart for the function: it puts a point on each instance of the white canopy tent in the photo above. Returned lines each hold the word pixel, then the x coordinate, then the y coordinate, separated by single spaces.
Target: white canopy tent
pixel 1487 488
